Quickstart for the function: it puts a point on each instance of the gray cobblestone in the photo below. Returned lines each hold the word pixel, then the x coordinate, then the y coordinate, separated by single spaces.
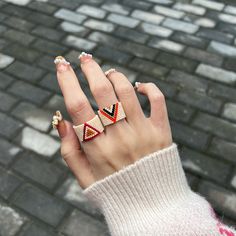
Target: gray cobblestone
pixel 216 126
pixel 146 16
pixel 18 23
pixel 137 4
pixel 210 4
pixel 230 10
pixel 233 181
pixel 180 26
pixel 49 209
pixel 155 30
pixel 205 22
pixel 123 20
pixel 230 111
pixel 216 74
pixel 91 11
pixel 43 19
pixel 116 8
pixel 169 12
pixel 7 101
pixel 50 80
pixel 5 60
pixel 227 18
pixel 223 49
pixel 38 142
pixel 73 28
pixel 48 33
pixel 35 230
pixel 190 8
pixel 99 25
pixel 204 165
pixel 42 7
pixel 12 9
pixel 223 149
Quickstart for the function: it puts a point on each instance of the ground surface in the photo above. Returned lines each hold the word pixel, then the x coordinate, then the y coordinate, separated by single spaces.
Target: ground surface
pixel 187 50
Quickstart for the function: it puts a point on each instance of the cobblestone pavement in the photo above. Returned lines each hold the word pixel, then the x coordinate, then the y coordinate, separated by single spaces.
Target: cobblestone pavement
pixel 188 49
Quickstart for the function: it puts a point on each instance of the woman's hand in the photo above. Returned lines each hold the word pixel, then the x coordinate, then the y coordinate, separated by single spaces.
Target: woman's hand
pixel 121 143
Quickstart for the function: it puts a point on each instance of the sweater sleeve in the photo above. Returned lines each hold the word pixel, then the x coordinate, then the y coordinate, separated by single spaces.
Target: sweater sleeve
pixel 152 197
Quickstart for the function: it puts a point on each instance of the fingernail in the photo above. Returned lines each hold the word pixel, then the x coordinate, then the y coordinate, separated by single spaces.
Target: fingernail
pixel 61 63
pixel 108 72
pixel 136 85
pixel 56 119
pixel 84 57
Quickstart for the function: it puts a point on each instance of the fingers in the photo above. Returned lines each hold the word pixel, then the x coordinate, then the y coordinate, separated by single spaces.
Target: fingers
pixel 76 102
pixel 126 95
pixel 156 99
pixel 73 154
pixel 100 87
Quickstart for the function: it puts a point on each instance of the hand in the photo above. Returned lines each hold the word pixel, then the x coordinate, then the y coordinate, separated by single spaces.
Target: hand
pixel 122 143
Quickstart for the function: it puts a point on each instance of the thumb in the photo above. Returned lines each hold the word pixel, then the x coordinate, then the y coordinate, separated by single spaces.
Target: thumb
pixel 73 154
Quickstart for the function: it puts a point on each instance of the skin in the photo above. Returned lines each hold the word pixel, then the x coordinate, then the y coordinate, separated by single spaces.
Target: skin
pixel 122 143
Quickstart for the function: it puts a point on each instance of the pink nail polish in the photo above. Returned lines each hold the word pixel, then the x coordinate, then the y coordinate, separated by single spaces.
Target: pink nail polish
pixel 61 64
pixel 84 57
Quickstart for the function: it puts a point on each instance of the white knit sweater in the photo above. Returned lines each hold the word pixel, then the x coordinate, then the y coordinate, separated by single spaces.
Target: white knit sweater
pixel 152 197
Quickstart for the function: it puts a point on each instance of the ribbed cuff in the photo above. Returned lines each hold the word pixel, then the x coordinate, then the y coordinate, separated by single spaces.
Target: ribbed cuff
pixel 141 191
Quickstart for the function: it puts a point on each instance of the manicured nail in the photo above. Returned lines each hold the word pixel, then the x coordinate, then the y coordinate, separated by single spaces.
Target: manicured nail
pixel 84 57
pixel 136 85
pixel 61 63
pixel 108 72
pixel 56 119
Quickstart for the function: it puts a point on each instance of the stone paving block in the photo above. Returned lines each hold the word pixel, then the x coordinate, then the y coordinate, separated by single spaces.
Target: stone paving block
pixel 49 47
pixel 138 50
pixel 8 152
pixel 2 16
pixel 29 92
pixel 210 4
pixel 190 8
pixel 48 33
pixel 222 199
pixel 72 4
pixel 228 28
pixel 7 101
pixel 91 11
pixel 233 181
pixel 123 20
pixel 36 230
pixel 32 167
pixel 137 4
pixel 22 53
pixel 148 17
pixel 189 40
pixel 38 142
pixel 15 10
pixel 187 81
pixel 148 67
pixel 155 30
pixel 178 111
pixel 164 2
pixel 8 125
pixel 10 220
pixel 19 37
pixel 2 29
pixel 70 16
pixel 205 22
pixel 106 39
pixel 230 9
pixel 203 56
pixel 47 62
pixel 130 34
pixel 227 18
pixel 230 111
pixel 8 183
pixel 188 136
pixel 21 3
pixel 222 49
pixel 19 23
pixel 112 55
pixel 80 222
pixel 215 35
pixel 5 60
pixel 166 11
pixel 50 81
pixel 224 92
pixel 73 28
pixel 3 42
pixel 180 26
pixel 36 117
pixel 5 80
pixel 99 25
pixel 223 149
pixel 71 192
pixel 41 205
pixel 216 126
pixel 216 74
pixel 43 19
pixel 167 45
pixel 200 101
pixel 116 8
pixel 25 71
pixel 177 62
pixel 79 43
pixel 204 165
pixel 43 7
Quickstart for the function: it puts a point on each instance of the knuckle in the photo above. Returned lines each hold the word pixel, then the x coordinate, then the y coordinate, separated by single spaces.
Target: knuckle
pixel 124 89
pixel 77 106
pixel 101 89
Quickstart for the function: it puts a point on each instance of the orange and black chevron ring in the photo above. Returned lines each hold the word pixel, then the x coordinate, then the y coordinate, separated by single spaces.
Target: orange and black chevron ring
pixel 89 129
pixel 112 114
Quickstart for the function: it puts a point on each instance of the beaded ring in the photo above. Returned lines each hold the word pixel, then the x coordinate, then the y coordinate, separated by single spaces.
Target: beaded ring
pixel 89 129
pixel 112 114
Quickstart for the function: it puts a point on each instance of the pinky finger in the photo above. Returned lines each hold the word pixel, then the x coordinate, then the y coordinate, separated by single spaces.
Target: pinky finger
pixel 73 154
